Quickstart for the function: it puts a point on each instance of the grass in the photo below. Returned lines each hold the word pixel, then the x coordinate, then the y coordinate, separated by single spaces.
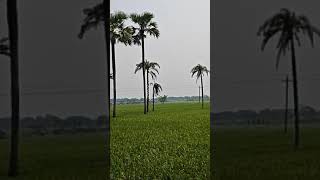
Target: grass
pixel 78 157
pixel 265 153
pixel 170 143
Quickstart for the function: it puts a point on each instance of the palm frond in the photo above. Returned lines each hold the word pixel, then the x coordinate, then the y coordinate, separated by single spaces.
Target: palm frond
pixel 94 17
pixel 4 46
pixel 157 88
pixel 290 27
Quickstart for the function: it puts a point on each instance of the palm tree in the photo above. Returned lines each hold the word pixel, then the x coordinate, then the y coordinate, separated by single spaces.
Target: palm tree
pixel 12 19
pixel 289 26
pixel 155 91
pixel 118 33
pixel 151 69
pixel 145 26
pixel 94 16
pixel 200 71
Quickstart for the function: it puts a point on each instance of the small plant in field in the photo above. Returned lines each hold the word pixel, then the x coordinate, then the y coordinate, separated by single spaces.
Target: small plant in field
pixel 163 98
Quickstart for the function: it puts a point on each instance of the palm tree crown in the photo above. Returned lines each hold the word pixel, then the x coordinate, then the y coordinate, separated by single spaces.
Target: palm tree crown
pixel 118 31
pixel 157 88
pixel 146 25
pixel 199 71
pixel 289 26
pixel 150 67
pixel 4 46
pixel 94 17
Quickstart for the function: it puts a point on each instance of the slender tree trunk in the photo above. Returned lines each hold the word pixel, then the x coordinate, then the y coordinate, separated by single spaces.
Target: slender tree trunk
pixel 147 91
pixel 114 78
pixel 153 99
pixel 286 113
pixel 144 76
pixel 202 89
pixel 12 18
pixel 106 4
pixel 295 92
pixel 199 94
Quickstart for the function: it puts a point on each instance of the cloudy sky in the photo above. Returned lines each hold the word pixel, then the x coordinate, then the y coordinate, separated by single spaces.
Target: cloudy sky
pixel 64 75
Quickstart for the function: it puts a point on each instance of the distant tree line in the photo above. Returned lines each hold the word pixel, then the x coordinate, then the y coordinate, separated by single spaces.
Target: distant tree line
pixel 265 117
pixel 51 124
pixel 169 99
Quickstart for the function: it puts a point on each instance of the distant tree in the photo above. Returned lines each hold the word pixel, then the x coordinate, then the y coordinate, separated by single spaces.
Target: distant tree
pixel 163 98
pixel 146 25
pixel 151 69
pixel 289 26
pixel 156 89
pixel 200 71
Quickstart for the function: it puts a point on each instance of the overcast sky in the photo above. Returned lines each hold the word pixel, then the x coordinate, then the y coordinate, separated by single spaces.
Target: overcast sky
pixel 245 78
pixel 52 58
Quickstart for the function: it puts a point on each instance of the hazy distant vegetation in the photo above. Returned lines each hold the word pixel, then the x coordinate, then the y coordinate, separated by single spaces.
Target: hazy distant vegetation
pixel 169 99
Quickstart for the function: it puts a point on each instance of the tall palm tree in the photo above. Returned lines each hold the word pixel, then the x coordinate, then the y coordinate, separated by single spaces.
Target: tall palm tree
pixel 119 33
pixel 94 16
pixel 145 26
pixel 200 71
pixel 156 89
pixel 151 69
pixel 12 19
pixel 289 26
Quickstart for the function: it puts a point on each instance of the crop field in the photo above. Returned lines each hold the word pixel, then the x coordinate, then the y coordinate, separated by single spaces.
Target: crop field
pixel 62 157
pixel 266 153
pixel 171 143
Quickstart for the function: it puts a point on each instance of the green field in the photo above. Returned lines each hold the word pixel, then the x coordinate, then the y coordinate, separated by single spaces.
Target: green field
pixel 170 143
pixel 266 153
pixel 60 157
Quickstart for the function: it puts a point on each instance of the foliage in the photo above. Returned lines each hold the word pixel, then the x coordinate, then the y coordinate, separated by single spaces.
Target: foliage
pixel 145 26
pixel 150 68
pixel 162 99
pixel 4 47
pixel 157 88
pixel 199 71
pixel 289 26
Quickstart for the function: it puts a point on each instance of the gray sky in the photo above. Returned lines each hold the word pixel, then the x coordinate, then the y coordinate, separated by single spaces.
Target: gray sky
pixel 184 42
pixel 54 59
pixel 244 76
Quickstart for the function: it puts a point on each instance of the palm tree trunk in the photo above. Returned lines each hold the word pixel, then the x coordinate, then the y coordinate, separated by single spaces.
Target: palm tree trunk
pixel 114 78
pixel 12 18
pixel 286 113
pixel 202 90
pixel 199 94
pixel 106 4
pixel 144 76
pixel 295 93
pixel 153 99
pixel 147 91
